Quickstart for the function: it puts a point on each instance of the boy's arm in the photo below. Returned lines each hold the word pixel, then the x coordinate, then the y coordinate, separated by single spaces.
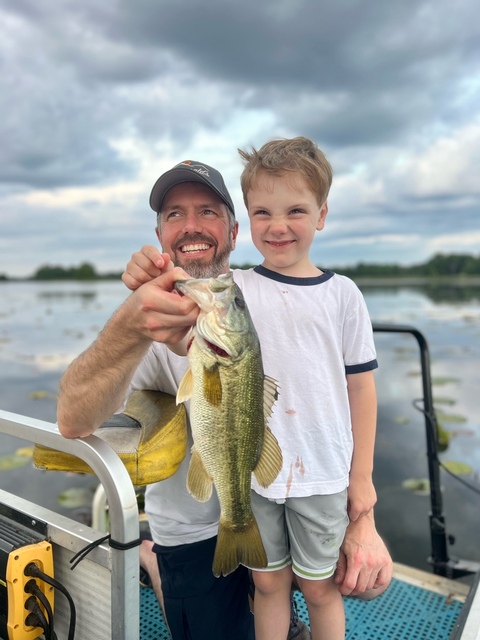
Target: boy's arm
pixel 363 410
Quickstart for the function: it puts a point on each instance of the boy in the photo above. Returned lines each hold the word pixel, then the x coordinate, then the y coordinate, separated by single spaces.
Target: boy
pixel 317 342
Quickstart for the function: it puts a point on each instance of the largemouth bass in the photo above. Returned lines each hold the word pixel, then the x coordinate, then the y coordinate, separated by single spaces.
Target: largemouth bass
pixel 231 400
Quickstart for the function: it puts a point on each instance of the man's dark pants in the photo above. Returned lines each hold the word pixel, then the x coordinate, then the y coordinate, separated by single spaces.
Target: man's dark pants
pixel 199 606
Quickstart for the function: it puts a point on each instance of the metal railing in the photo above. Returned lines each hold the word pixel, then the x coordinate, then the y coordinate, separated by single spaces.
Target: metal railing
pixel 440 560
pixel 123 511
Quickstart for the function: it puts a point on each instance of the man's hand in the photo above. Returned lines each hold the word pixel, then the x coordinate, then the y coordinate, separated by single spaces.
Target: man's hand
pixel 364 568
pixel 145 265
pixel 156 311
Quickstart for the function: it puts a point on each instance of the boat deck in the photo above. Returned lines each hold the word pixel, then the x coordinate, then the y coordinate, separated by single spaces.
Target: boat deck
pixel 417 606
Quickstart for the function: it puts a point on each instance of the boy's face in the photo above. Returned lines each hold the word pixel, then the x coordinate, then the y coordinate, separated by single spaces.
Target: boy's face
pixel 284 216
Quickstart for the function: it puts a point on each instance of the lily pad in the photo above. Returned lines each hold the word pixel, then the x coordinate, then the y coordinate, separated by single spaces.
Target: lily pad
pixel 444 400
pixel 75 497
pixel 444 438
pixel 439 381
pixel 41 395
pixel 25 451
pixel 458 468
pixel 451 417
pixel 420 486
pixel 13 461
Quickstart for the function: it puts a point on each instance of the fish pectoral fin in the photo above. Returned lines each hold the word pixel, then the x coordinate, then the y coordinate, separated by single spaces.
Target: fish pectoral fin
pixel 199 482
pixel 238 547
pixel 212 386
pixel 270 461
pixel 270 396
pixel 185 387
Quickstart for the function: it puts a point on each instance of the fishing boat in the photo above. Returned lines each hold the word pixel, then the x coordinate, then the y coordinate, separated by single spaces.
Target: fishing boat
pixel 60 578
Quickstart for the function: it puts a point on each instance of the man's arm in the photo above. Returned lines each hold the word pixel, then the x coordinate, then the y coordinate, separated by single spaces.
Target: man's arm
pixel 363 410
pixel 95 384
pixel 365 567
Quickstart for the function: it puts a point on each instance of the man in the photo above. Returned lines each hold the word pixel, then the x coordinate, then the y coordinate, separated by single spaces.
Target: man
pixel 197 230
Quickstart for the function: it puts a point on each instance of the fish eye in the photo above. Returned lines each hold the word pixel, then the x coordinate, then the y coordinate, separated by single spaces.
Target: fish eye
pixel 240 302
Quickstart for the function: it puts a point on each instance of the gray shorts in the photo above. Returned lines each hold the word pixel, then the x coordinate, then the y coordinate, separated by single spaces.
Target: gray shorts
pixel 304 532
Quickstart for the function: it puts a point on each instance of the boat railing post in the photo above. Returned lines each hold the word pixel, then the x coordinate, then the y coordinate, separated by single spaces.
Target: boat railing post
pixel 123 511
pixel 438 536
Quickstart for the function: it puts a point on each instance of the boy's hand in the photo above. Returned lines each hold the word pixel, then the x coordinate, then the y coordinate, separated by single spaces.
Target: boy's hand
pixel 145 265
pixel 361 497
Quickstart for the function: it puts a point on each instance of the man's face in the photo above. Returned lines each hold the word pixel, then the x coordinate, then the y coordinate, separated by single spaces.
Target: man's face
pixel 195 229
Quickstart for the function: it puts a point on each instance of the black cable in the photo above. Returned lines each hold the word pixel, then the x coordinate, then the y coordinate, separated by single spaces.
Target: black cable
pixel 36 618
pixel 34 571
pixel 446 469
pixel 33 588
pixel 78 557
pixel 122 546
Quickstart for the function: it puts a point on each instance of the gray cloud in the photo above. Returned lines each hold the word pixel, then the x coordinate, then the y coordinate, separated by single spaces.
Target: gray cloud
pixel 99 95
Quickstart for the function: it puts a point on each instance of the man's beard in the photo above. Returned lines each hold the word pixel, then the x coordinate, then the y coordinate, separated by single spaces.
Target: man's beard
pixel 201 269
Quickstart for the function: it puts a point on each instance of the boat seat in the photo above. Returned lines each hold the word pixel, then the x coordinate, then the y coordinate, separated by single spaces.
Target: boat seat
pixel 149 436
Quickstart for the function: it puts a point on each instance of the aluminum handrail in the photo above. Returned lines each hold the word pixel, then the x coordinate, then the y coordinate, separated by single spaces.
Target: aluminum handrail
pixel 123 510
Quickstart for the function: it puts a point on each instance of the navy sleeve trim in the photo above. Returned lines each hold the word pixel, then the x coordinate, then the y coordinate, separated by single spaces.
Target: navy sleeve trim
pixel 361 368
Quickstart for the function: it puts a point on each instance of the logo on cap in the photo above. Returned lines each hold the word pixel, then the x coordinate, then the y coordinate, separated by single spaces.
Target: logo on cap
pixel 198 168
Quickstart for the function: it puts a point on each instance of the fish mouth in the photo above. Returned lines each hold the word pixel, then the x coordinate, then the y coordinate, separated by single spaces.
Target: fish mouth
pixel 212 346
pixel 218 350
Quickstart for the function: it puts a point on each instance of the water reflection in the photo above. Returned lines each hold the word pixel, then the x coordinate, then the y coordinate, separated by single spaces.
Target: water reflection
pixel 43 326
pixel 436 292
pixel 86 296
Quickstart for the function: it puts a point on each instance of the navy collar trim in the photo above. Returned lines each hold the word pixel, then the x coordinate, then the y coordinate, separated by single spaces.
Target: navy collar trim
pixel 306 282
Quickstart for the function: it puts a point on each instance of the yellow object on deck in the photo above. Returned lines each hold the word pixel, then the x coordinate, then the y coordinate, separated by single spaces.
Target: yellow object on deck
pixel 150 437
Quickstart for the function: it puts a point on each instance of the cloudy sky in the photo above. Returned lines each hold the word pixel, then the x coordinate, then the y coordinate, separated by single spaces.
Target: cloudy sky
pixel 98 98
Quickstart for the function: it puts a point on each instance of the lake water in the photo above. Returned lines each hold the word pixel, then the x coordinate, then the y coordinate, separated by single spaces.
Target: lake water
pixel 43 326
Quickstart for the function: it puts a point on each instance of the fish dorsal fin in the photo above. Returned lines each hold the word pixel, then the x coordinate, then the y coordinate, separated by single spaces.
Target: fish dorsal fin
pixel 212 386
pixel 185 387
pixel 199 482
pixel 270 395
pixel 270 461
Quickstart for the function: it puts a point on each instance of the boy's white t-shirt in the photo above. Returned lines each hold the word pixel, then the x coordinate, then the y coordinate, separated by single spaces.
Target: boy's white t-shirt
pixel 313 331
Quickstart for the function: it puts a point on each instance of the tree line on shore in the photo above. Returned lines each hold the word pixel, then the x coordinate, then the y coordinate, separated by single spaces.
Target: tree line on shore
pixel 440 265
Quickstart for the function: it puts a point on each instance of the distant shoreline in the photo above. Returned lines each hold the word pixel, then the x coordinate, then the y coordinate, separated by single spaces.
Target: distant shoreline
pixel 378 281
pixel 366 281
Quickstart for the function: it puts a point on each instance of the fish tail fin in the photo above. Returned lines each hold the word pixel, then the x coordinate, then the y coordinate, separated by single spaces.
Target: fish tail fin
pixel 238 547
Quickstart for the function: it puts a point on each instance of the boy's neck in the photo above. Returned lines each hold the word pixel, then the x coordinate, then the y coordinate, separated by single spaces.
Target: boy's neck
pixel 308 270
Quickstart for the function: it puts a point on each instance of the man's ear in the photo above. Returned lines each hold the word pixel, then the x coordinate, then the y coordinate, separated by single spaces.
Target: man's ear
pixel 234 233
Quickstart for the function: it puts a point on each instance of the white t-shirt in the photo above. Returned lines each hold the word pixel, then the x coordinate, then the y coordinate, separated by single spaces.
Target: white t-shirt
pixel 312 332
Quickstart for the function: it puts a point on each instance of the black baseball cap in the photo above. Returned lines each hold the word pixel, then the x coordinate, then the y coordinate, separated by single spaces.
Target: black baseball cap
pixel 189 171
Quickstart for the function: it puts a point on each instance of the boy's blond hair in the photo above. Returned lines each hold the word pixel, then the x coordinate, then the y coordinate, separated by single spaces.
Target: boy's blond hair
pixel 279 157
